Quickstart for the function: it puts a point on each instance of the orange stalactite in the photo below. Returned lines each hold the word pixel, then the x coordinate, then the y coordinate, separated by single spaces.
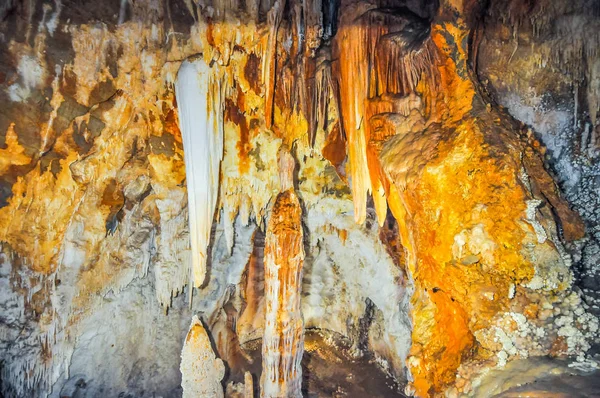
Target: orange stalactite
pixel 379 183
pixel 375 68
pixel 350 48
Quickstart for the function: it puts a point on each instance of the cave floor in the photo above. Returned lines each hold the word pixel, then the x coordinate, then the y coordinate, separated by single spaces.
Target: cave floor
pixel 561 386
pixel 329 369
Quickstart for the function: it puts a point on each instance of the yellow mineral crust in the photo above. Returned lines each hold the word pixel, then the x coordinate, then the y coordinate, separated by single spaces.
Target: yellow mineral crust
pixel 463 189
pixel 458 193
pixel 40 237
pixel 13 154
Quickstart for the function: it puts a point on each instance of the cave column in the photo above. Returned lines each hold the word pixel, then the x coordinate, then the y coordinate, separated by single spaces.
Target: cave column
pixel 283 340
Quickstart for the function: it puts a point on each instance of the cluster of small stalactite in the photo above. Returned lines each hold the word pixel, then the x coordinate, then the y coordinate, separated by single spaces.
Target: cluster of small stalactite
pixel 566 39
pixel 380 53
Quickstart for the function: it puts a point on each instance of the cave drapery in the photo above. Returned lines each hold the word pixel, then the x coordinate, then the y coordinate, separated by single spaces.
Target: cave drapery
pixel 417 177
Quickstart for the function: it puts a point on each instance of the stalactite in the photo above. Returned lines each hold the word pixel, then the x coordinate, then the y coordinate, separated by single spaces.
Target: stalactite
pixel 201 371
pixel 324 92
pixel 199 97
pixel 283 339
pixel 353 71
pixel 381 52
pixel 270 60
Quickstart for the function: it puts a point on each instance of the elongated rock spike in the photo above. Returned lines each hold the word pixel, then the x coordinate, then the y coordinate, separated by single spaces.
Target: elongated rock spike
pixel 201 370
pixel 283 340
pixel 199 97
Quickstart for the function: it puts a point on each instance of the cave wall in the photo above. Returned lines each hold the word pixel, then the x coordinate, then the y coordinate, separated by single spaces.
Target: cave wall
pixel 95 245
pixel 424 201
pixel 541 64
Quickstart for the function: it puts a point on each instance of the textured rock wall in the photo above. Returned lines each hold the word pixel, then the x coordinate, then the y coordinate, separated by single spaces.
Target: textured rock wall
pixel 483 225
pixel 381 109
pixel 544 70
pixel 94 190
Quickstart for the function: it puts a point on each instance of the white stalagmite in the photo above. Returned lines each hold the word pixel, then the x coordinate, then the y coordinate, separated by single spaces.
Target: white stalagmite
pixel 201 370
pixel 248 385
pixel 199 99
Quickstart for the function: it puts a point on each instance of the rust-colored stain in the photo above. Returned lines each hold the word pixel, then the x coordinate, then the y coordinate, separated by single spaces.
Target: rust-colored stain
pixel 210 38
pixel 234 113
pixel 334 149
pixel 171 124
pixel 252 72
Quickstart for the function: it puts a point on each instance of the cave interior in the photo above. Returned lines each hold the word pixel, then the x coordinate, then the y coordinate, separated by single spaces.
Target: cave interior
pixel 299 198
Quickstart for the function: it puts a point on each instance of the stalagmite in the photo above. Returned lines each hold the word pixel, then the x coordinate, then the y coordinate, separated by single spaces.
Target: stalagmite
pixel 248 385
pixel 201 120
pixel 283 339
pixel 201 370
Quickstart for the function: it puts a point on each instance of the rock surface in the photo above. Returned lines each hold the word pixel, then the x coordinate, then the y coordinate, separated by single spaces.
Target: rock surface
pixel 435 237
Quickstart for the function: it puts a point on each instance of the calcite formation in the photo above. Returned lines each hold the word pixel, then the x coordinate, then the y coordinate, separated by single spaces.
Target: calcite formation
pixel 199 96
pixel 465 186
pixel 201 371
pixel 292 164
pixel 283 337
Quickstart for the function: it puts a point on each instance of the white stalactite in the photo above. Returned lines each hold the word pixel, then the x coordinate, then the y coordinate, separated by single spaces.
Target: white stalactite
pixel 199 98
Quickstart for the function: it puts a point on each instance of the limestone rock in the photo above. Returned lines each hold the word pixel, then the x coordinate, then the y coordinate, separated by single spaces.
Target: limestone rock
pixel 202 371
